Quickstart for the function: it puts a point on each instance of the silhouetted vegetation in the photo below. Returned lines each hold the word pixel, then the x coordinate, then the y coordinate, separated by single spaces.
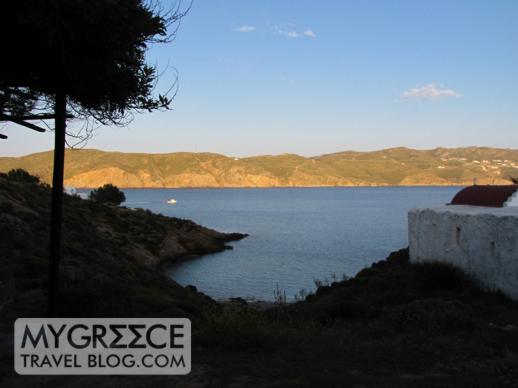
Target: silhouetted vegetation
pixel 394 324
pixel 20 175
pixel 81 59
pixel 108 194
pixel 92 51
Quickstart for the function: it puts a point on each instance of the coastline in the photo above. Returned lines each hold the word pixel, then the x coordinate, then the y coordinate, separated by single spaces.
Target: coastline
pixel 112 260
pixel 281 187
pixel 202 242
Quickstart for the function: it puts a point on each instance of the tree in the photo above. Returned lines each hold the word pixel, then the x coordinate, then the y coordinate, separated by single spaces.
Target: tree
pixel 83 59
pixel 20 175
pixel 108 194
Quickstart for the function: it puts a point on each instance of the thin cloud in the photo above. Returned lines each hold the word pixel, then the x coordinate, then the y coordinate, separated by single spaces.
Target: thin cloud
pixel 245 29
pixel 430 92
pixel 309 34
pixel 287 80
pixel 287 30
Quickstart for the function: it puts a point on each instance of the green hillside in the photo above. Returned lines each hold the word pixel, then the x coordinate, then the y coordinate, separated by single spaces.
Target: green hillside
pixel 394 166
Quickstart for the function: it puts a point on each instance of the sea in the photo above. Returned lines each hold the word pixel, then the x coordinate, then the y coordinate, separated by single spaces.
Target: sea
pixel 297 236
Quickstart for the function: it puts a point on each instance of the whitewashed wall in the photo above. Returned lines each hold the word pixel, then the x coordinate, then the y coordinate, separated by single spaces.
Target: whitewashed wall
pixel 481 241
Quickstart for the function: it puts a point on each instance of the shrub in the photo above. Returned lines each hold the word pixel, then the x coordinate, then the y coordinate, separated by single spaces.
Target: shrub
pixel 108 194
pixel 20 175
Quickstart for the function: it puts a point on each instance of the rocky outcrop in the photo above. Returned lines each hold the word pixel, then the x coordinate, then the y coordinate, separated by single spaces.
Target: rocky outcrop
pixel 184 243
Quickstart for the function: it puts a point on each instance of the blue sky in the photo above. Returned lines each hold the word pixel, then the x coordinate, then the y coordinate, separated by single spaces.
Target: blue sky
pixel 313 77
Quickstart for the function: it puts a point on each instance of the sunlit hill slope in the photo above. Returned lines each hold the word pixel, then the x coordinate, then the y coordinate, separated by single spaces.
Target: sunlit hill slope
pixel 394 166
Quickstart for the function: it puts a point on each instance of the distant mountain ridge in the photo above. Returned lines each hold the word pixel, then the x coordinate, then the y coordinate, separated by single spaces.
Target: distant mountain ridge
pixel 394 166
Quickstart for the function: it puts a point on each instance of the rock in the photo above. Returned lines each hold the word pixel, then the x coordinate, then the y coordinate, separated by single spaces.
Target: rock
pixel 171 248
pixel 191 240
pixel 238 301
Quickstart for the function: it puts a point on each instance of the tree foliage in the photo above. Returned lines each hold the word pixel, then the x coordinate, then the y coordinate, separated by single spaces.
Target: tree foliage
pixel 91 50
pixel 21 175
pixel 108 194
pixel 84 57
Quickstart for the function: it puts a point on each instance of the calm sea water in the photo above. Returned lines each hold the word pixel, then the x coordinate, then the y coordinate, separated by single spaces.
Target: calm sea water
pixel 296 235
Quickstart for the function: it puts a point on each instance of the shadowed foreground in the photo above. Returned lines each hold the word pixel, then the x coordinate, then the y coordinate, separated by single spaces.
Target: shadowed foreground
pixel 394 324
pixel 112 257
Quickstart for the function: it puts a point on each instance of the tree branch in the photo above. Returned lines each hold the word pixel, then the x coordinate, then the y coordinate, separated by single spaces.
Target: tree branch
pixel 43 116
pixel 4 117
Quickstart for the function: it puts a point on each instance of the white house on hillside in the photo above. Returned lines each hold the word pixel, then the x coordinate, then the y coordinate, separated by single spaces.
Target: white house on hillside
pixel 477 232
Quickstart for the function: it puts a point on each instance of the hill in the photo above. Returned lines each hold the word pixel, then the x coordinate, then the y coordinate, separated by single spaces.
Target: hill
pixel 112 257
pixel 394 166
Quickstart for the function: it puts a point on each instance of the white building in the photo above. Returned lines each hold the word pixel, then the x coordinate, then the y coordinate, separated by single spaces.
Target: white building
pixel 477 232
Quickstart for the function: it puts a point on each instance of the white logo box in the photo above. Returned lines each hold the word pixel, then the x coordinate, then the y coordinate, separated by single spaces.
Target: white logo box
pixel 102 346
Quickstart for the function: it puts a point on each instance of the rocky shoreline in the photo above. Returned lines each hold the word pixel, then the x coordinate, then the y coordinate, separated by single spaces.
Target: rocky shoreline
pixel 181 246
pixel 113 258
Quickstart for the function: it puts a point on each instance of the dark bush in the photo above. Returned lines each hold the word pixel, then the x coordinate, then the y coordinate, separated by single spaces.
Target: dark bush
pixel 108 194
pixel 436 277
pixel 20 175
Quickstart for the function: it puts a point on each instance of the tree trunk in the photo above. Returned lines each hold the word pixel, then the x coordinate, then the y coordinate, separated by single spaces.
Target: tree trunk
pixel 57 204
pixel 8 289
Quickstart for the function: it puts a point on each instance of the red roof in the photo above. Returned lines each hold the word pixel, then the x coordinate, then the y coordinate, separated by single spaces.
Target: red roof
pixel 490 196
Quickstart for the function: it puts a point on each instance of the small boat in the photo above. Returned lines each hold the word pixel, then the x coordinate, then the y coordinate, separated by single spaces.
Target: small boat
pixel 171 201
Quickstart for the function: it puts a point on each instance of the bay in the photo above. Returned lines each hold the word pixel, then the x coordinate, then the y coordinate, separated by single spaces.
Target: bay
pixel 297 235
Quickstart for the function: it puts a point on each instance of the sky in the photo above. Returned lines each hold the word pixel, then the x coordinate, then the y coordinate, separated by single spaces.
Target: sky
pixel 314 77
